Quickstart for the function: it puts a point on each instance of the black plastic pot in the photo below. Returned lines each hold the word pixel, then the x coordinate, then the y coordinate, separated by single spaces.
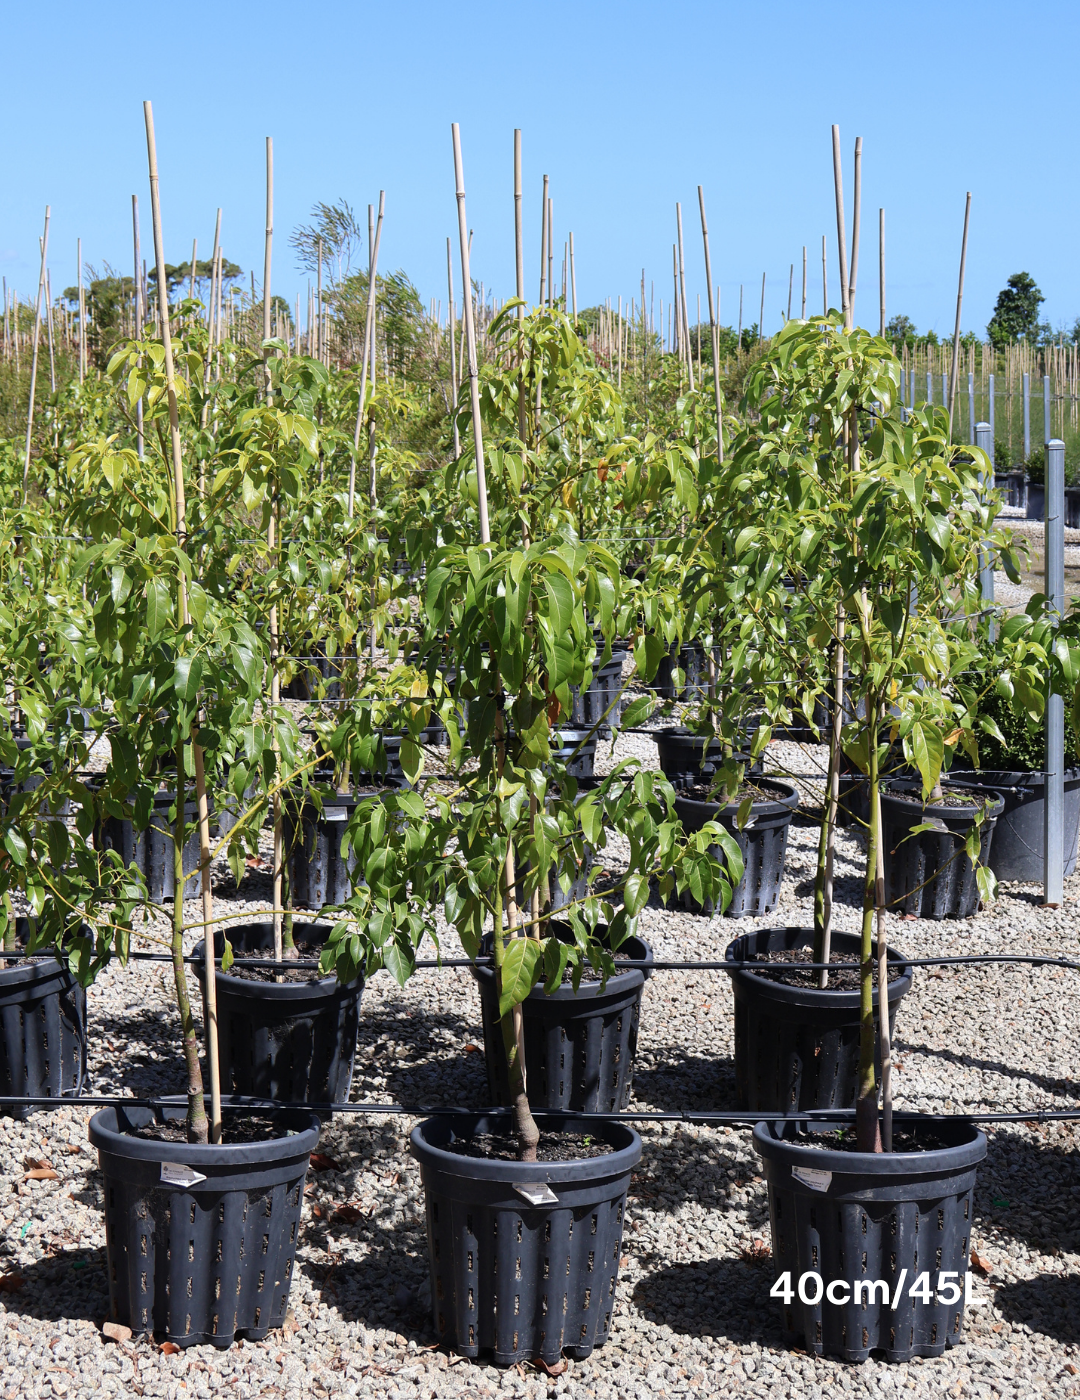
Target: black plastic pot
pixel 579 1048
pixel 797 1048
pixel 1036 500
pixel 885 1219
pixel 152 848
pixel 1016 852
pixel 213 1260
pixel 1012 487
pixel 318 872
pixel 930 875
pixel 680 754
pixel 690 659
pixel 1072 507
pixel 293 1041
pixel 514 1280
pixel 576 749
pixel 601 698
pixel 763 842
pixel 42 1030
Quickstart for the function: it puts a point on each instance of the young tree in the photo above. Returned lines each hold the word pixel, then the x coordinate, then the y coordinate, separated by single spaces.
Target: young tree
pixel 1016 312
pixel 901 328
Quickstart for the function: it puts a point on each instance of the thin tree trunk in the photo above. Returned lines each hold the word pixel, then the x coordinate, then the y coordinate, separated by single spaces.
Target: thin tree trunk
pixel 210 972
pixel 682 298
pixel 373 269
pixel 713 311
pixel 454 386
pixel 139 308
pixel 214 272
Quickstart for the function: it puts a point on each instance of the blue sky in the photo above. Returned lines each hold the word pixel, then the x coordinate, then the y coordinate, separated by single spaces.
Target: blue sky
pixel 628 107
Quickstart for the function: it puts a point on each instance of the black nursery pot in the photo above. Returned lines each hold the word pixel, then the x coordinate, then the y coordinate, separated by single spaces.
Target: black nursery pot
pixel 763 842
pixel 1016 852
pixel 152 848
pixel 318 872
pixel 797 1048
pixel 42 1030
pixel 882 1223
pixel 1036 500
pixel 602 697
pixel 690 660
pixel 930 875
pixel 576 748
pixel 213 1260
pixel 509 1279
pixel 579 1048
pixel 294 1040
pixel 680 755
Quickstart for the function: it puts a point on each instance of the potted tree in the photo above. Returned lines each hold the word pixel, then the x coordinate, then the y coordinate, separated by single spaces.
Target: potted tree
pixel 907 513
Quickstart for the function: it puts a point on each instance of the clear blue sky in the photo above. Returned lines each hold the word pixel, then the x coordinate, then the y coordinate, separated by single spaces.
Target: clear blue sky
pixel 627 106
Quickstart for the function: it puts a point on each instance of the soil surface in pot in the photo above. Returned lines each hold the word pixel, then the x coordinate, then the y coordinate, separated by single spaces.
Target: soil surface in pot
pixel 903 1140
pixel 702 792
pixel 845 981
pixel 553 1147
pixel 304 952
pixel 234 1131
pixel 951 797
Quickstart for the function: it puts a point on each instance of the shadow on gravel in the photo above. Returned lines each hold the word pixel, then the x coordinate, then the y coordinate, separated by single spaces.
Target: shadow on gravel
pixel 383 1288
pixel 436 1067
pixel 722 1298
pixel 72 1285
pixel 1049 1303
pixel 684 1082
pixel 1030 1188
pixel 1065 1088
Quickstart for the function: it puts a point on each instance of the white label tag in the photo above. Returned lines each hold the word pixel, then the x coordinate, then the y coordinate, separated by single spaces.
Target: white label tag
pixel 812 1177
pixel 334 814
pixel 175 1174
pixel 537 1194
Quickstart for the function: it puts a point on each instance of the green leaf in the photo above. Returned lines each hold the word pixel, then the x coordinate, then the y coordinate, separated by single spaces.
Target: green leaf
pixel 412 759
pixel 635 894
pixel 227 956
pixel 560 602
pixel 518 973
pixel 637 712
pixel 158 605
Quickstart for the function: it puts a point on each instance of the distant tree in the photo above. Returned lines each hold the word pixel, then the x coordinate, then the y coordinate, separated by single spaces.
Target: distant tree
pixel 341 237
pixel 901 328
pixel 1074 334
pixel 1016 313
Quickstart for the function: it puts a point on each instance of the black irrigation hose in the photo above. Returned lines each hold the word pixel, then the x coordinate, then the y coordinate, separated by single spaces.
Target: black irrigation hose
pixel 736 1118
pixel 625 964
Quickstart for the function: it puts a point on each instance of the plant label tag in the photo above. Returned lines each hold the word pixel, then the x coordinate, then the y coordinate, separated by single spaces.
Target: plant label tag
pixel 812 1177
pixel 537 1194
pixel 334 814
pixel 174 1174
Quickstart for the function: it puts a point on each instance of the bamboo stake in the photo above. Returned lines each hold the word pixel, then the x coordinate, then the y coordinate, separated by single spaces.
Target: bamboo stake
pixel 373 271
pixel 214 273
pixel 824 279
pixel 267 252
pixel 543 240
pixel 790 289
pixel 573 281
pixel 551 253
pixel 519 284
pixel 82 323
pixel 470 337
pixel 196 1109
pixel 713 329
pixel 803 316
pixel 49 329
pixel 856 221
pixel 959 305
pixel 682 297
pixel 34 356
pixel 841 232
pixel 319 316
pixel 455 387
pixel 761 315
pixel 139 307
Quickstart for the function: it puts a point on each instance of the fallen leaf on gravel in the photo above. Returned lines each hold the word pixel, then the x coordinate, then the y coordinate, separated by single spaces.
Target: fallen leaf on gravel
pixel 320 1162
pixel 11 1283
pixel 254 862
pixel 41 1174
pixel 981 1263
pixel 170 1348
pixel 1072 1369
pixel 73 1147
pixel 556 1370
pixel 348 1215
pixel 32 1164
pixel 472 1049
pixel 116 1331
pixel 317 1212
pixel 290 1324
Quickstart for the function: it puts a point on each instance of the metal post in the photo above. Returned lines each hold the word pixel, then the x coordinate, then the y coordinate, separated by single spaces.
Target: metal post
pixel 929 387
pixel 971 406
pixel 1046 409
pixel 944 388
pixel 984 440
pixel 1054 587
pixel 1027 417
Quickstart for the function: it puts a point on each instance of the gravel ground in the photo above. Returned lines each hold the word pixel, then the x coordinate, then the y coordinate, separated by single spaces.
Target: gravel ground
pixel 694 1316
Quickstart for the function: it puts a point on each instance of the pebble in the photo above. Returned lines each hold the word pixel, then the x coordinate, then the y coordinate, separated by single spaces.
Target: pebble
pixel 694 1316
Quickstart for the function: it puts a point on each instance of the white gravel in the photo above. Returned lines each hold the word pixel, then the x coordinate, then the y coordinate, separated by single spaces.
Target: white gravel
pixel 694 1316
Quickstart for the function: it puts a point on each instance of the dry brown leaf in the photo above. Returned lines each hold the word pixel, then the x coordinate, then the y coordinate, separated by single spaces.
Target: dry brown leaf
pixel 348 1214
pixel 472 1049
pixel 980 1263
pixel 41 1174
pixel 557 1370
pixel 170 1348
pixel 32 1164
pixel 11 1283
pixel 320 1162
pixel 116 1331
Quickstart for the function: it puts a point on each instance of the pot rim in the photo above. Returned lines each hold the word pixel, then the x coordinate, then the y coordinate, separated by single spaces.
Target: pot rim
pixel 624 1158
pixel 109 1138
pixel 766 987
pixel 892 787
pixel 621 983
pixel 774 1146
pixel 775 807
pixel 316 983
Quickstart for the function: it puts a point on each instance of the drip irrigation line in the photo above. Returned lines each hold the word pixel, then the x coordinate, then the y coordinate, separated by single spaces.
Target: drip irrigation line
pixel 624 964
pixel 736 1118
